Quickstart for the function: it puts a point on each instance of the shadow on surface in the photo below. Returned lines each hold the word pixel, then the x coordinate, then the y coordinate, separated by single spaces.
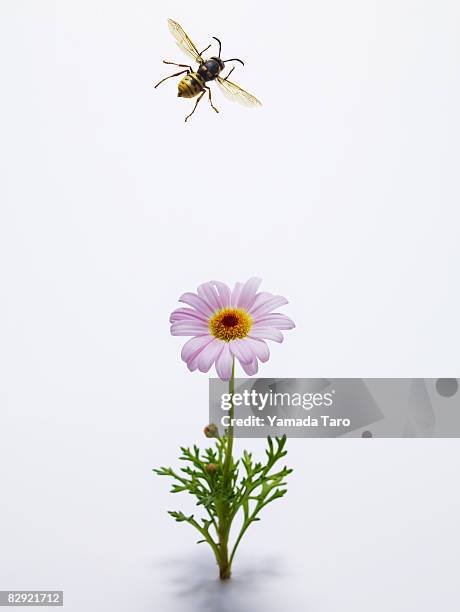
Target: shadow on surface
pixel 193 584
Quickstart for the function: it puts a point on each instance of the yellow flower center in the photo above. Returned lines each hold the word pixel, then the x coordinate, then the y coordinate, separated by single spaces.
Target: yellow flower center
pixel 230 323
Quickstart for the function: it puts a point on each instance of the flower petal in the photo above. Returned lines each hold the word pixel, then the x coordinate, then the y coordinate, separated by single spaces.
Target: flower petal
pixel 186 314
pixel 192 364
pixel 194 346
pixel 196 302
pixel 224 294
pixel 242 350
pixel 207 292
pixel 236 293
pixel 189 328
pixel 275 319
pixel 260 349
pixel 224 363
pixel 266 333
pixel 248 293
pixel 265 305
pixel 209 354
pixel 250 368
pixel 261 298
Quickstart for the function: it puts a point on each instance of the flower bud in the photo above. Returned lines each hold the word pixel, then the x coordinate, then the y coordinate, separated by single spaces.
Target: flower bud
pixel 211 431
pixel 211 468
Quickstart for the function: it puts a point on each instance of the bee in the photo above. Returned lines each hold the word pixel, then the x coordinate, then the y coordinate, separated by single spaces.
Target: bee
pixel 194 83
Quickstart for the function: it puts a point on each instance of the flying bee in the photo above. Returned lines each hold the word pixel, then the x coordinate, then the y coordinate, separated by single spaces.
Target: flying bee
pixel 194 82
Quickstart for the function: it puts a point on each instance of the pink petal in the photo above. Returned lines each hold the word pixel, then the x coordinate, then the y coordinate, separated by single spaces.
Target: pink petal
pixel 194 346
pixel 236 293
pixel 193 363
pixel 277 320
pixel 248 293
pixel 224 294
pixel 250 368
pixel 191 323
pixel 267 305
pixel 266 333
pixel 189 328
pixel 209 354
pixel 261 298
pixel 196 302
pixel 260 349
pixel 186 314
pixel 224 363
pixel 242 350
pixel 207 292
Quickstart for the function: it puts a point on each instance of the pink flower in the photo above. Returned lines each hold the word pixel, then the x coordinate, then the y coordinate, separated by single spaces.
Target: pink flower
pixel 227 324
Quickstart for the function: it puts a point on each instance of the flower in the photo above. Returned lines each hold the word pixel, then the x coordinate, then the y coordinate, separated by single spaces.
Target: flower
pixel 227 324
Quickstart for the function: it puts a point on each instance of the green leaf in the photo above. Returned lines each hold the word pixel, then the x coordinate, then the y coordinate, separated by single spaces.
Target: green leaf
pixel 180 516
pixel 249 492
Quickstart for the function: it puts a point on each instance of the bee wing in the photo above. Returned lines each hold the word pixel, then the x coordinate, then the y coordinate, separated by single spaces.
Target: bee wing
pixel 236 93
pixel 184 41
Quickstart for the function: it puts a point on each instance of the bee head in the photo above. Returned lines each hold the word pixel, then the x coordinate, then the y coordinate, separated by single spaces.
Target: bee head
pixel 219 61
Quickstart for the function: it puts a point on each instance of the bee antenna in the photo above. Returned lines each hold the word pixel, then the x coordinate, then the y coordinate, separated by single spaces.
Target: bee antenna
pixel 234 59
pixel 220 44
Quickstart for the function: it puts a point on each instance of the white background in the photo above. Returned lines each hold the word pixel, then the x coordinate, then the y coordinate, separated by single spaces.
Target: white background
pixel 342 192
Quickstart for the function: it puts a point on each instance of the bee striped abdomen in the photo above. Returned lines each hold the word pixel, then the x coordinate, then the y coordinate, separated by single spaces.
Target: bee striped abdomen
pixel 190 85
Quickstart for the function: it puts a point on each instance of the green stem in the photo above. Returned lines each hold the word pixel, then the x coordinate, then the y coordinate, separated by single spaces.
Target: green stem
pixel 229 446
pixel 247 521
pixel 238 540
pixel 207 537
pixel 225 519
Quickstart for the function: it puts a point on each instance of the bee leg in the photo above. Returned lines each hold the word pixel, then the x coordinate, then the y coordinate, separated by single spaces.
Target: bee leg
pixel 225 78
pixel 196 104
pixel 180 65
pixel 170 77
pixel 210 99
